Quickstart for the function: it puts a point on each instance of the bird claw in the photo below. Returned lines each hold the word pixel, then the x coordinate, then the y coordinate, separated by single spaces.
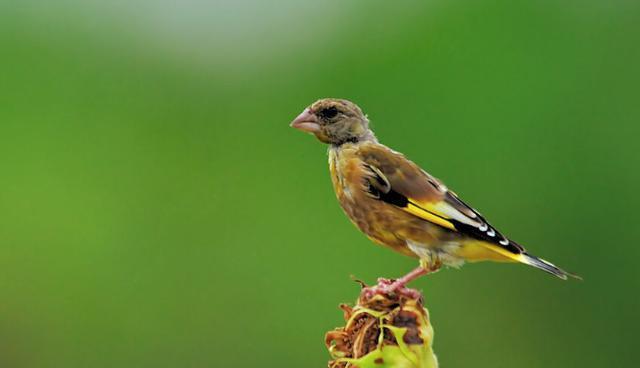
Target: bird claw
pixel 389 288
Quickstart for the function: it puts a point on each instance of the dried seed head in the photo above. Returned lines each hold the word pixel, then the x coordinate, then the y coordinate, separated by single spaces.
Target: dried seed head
pixel 383 331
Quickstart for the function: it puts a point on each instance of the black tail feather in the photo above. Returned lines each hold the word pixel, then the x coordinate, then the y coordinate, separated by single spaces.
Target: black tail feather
pixel 548 267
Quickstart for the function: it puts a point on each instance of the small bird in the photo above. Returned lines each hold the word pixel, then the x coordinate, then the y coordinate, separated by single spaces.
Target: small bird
pixel 397 204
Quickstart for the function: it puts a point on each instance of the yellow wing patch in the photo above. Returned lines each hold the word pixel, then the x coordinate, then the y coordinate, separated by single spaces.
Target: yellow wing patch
pixel 440 213
pixel 428 216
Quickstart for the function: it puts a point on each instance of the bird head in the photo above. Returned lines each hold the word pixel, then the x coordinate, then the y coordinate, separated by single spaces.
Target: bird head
pixel 334 121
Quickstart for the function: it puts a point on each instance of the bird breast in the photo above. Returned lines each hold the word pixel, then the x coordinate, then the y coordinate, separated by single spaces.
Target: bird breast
pixel 371 216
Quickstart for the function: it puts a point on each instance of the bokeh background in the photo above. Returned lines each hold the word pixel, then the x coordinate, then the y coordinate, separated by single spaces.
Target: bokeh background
pixel 157 211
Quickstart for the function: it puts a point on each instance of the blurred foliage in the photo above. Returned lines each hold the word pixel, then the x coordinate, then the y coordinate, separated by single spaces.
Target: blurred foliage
pixel 157 210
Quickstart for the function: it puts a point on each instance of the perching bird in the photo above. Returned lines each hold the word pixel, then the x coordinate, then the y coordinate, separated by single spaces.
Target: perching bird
pixel 399 205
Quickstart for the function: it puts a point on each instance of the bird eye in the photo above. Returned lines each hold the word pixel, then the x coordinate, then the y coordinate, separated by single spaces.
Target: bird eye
pixel 329 112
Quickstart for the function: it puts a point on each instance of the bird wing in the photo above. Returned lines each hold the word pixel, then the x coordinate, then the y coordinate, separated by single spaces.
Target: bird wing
pixel 392 178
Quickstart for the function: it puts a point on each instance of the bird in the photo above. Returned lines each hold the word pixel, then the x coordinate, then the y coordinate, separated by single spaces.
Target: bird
pixel 397 204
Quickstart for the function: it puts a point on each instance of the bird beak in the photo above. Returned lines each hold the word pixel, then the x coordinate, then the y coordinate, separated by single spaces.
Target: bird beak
pixel 306 122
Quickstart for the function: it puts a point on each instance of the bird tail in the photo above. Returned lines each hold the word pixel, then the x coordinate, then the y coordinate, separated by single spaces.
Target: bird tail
pixel 546 266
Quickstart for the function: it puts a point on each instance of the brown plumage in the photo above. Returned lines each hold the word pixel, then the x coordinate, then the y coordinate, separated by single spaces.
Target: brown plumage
pixel 399 205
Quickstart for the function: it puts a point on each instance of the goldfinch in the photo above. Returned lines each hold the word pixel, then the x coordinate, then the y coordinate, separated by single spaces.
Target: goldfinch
pixel 397 204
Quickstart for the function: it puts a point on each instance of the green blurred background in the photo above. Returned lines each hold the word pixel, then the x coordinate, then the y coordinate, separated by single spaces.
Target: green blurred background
pixel 157 210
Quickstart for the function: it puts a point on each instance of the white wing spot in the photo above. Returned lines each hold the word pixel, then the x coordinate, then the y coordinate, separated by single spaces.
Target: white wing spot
pixel 504 242
pixel 491 233
pixel 483 227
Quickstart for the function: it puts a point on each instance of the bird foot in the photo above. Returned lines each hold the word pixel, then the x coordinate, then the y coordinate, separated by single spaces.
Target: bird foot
pixel 387 287
pixel 396 287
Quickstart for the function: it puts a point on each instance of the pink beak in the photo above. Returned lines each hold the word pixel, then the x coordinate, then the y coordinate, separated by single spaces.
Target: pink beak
pixel 306 122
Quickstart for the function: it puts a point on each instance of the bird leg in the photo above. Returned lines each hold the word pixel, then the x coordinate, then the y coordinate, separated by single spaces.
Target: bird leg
pixel 397 286
pixel 404 280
